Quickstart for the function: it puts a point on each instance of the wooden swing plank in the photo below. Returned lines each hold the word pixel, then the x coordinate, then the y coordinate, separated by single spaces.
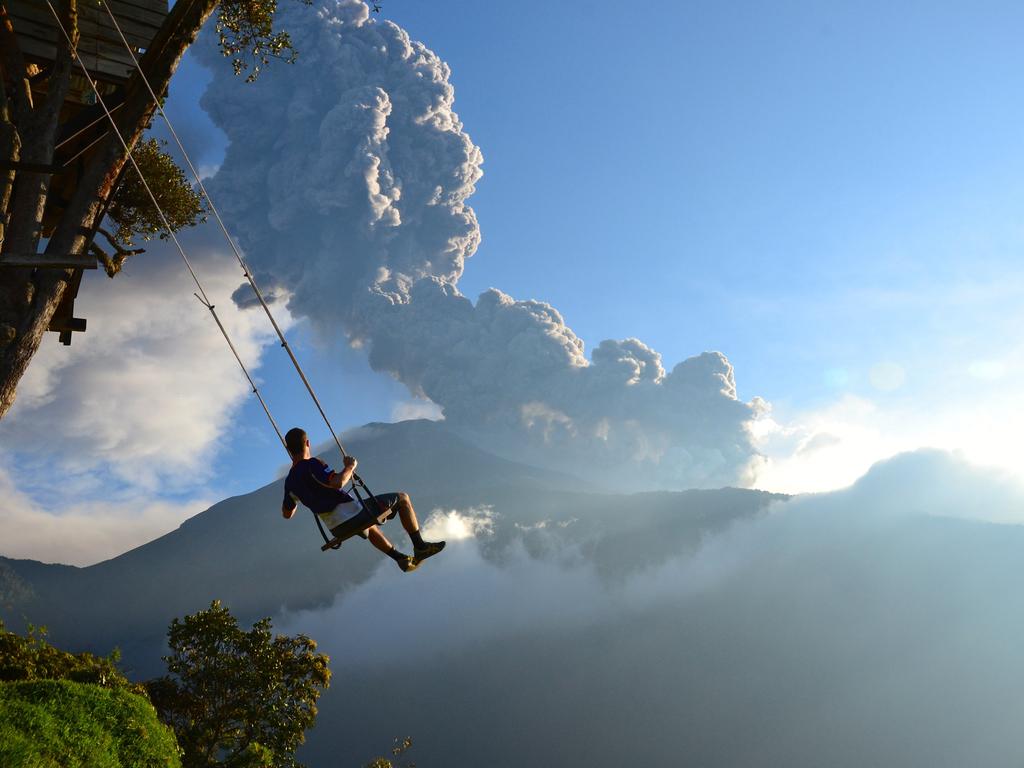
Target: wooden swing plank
pixel 48 261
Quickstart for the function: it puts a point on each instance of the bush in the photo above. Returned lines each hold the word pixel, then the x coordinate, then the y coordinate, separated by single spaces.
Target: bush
pixel 32 658
pixel 64 724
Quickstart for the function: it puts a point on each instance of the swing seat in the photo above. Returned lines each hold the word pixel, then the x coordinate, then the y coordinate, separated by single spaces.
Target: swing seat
pixel 357 526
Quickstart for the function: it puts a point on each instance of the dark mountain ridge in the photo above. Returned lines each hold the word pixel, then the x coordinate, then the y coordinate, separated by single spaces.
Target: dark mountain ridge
pixel 243 553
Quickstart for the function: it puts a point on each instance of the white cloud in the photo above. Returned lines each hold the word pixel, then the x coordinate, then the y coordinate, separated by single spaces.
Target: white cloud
pixel 144 394
pixel 462 598
pixel 458 598
pixel 109 443
pixel 831 446
pixel 82 533
pixel 454 525
pixel 824 449
pixel 809 614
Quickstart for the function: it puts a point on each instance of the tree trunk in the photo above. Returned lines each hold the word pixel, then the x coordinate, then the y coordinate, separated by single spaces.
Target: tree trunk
pixel 28 298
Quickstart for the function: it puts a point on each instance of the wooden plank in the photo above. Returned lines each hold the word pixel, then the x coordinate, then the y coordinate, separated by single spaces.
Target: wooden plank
pixel 150 13
pixel 99 67
pixel 111 48
pixel 68 324
pixel 90 24
pixel 125 13
pixel 41 33
pixel 147 11
pixel 63 320
pixel 17 165
pixel 45 261
pixel 100 46
pixel 156 6
pixel 103 60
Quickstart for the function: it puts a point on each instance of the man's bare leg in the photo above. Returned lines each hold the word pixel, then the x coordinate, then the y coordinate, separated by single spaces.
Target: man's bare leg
pixel 380 541
pixel 407 514
pixel 421 549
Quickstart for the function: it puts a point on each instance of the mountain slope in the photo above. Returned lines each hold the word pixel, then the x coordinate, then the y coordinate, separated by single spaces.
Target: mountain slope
pixel 242 552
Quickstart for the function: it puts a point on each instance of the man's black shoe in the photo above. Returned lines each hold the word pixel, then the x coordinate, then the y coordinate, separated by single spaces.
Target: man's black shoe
pixel 429 549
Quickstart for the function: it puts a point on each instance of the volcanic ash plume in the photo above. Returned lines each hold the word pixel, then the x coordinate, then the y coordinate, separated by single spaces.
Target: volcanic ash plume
pixel 346 180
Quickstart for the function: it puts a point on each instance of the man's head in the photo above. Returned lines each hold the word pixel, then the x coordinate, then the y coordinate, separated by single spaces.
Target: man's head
pixel 297 441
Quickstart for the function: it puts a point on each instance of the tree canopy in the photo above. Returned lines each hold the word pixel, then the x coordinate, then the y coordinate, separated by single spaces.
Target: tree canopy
pixel 237 698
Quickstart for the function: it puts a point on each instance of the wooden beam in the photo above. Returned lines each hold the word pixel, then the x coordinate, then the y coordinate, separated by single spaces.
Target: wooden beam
pixel 68 325
pixel 90 117
pixel 17 165
pixel 44 261
pixel 64 321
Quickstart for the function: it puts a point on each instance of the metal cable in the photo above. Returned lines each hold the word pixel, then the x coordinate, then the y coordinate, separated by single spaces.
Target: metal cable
pixel 231 242
pixel 357 482
pixel 201 295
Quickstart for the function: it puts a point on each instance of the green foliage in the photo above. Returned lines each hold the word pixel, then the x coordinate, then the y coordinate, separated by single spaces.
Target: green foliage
pixel 400 747
pixel 238 698
pixel 32 658
pixel 63 724
pixel 247 27
pixel 131 208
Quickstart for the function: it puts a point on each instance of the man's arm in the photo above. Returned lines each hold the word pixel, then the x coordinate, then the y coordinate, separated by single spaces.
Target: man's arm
pixel 288 506
pixel 340 479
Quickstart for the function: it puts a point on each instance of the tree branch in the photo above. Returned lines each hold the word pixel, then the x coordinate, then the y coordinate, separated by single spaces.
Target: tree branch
pixel 112 264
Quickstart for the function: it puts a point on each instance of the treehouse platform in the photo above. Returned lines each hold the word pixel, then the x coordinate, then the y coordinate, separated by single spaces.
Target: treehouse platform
pixel 83 121
pixel 99 44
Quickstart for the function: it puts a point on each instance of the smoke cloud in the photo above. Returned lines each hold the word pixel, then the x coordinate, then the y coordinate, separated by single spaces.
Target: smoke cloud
pixel 349 195
pixel 828 630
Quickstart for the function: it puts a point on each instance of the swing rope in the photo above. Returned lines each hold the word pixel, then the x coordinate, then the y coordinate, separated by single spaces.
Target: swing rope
pixel 227 236
pixel 201 295
pixel 230 240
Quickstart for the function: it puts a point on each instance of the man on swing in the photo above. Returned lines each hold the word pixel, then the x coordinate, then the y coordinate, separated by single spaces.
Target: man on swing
pixel 313 483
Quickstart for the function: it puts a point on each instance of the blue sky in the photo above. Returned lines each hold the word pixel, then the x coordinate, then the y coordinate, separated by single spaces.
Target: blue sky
pixel 757 179
pixel 829 194
pixel 813 189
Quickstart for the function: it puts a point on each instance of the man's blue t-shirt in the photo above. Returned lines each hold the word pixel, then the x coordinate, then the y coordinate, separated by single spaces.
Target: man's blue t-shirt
pixel 307 483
